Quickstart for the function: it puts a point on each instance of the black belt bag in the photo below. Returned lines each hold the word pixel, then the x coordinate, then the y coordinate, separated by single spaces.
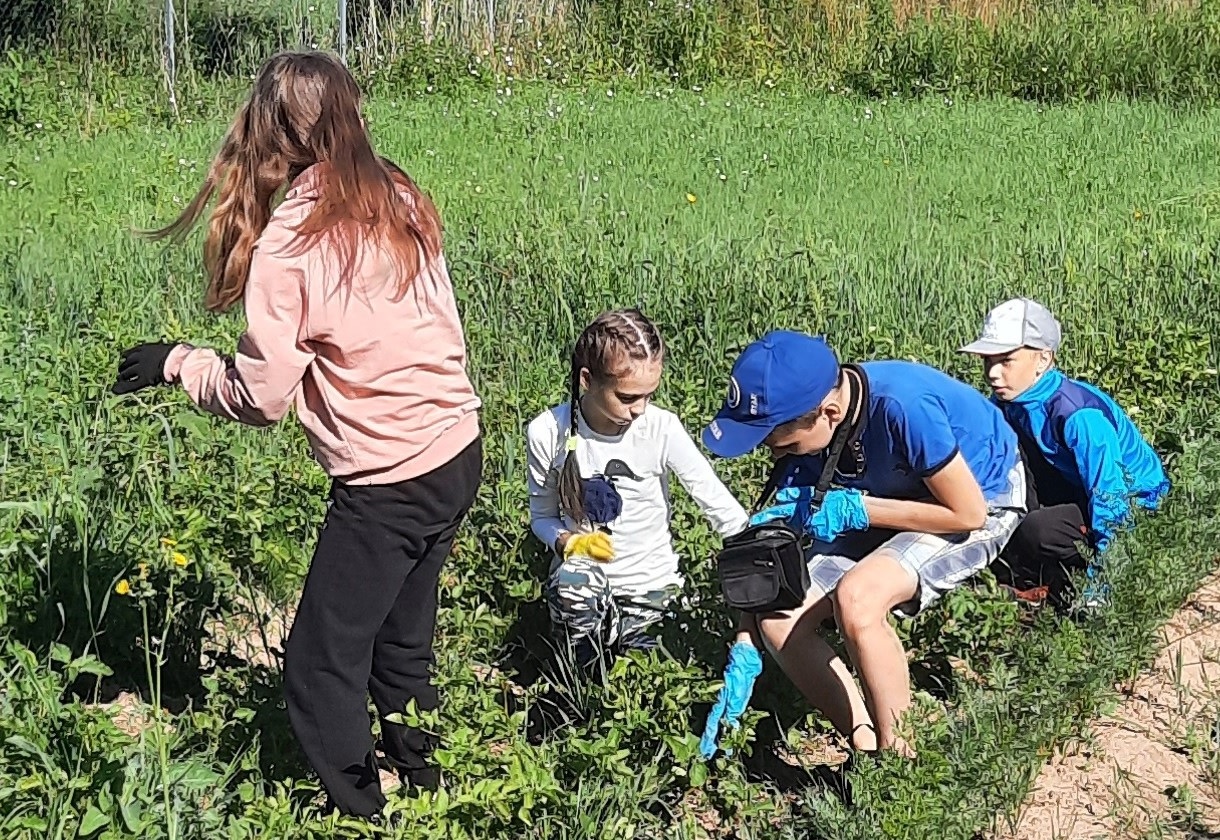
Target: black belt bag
pixel 763 568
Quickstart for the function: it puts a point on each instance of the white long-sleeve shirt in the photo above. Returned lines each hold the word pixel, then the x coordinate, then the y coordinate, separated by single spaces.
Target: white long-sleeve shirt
pixel 655 445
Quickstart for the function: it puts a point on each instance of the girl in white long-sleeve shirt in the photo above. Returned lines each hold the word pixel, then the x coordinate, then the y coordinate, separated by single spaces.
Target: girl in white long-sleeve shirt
pixel 599 490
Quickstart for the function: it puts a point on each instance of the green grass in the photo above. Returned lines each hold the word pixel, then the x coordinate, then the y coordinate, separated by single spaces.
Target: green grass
pixel 892 226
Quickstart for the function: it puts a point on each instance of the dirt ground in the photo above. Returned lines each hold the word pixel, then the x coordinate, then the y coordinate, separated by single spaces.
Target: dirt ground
pixel 1151 768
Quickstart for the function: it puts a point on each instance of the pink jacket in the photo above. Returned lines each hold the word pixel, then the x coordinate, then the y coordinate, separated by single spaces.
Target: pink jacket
pixel 379 384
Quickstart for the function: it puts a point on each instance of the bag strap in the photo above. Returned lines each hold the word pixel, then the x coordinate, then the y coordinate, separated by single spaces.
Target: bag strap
pixel 772 483
pixel 848 434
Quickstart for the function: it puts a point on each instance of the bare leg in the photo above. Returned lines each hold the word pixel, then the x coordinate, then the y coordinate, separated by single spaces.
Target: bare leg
pixel 863 601
pixel 816 670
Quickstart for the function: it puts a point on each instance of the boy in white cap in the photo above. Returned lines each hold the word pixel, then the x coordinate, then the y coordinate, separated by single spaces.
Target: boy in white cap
pixel 1086 459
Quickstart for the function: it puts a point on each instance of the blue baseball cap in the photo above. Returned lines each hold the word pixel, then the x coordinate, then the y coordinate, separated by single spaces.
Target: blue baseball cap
pixel 777 379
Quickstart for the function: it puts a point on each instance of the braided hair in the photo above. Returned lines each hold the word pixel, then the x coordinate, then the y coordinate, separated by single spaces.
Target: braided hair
pixel 612 342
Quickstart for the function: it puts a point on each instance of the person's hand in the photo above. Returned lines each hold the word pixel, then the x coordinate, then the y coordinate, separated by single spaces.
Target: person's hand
pixel 791 507
pixel 744 666
pixel 596 546
pixel 841 511
pixel 142 366
pixel 1101 542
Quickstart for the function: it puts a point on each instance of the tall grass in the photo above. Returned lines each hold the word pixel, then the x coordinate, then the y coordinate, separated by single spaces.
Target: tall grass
pixel 1052 51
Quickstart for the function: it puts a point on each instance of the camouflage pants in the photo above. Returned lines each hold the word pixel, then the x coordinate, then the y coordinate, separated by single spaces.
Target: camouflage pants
pixel 584 607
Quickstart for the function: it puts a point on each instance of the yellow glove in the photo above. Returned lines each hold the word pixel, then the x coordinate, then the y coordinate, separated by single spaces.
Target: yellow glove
pixel 596 546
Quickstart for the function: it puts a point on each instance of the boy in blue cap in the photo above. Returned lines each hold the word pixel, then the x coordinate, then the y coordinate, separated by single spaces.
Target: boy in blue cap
pixel 1086 459
pixel 929 496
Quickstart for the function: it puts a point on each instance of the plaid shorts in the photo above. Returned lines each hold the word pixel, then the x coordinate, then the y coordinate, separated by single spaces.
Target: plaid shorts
pixel 936 563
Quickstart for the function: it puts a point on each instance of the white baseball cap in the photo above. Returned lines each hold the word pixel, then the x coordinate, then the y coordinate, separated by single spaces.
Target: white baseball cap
pixel 1016 323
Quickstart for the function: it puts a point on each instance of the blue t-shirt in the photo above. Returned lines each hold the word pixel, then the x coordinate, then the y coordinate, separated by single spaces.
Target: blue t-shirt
pixel 919 418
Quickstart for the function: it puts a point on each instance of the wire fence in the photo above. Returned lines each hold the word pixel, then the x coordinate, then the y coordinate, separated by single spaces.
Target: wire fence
pixel 219 40
pixel 185 39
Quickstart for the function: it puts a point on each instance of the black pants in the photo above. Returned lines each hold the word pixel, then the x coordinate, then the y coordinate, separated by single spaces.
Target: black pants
pixel 366 622
pixel 1045 548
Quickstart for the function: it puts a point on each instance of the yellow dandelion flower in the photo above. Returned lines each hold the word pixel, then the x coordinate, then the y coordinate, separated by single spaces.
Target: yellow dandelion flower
pixel 123 587
pixel 179 559
pixel 1138 215
pixel 690 198
pixel 168 543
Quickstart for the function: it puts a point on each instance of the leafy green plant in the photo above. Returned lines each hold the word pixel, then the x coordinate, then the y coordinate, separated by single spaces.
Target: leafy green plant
pixel 724 212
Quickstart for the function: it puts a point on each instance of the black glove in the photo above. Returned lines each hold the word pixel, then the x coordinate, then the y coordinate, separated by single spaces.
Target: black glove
pixel 141 367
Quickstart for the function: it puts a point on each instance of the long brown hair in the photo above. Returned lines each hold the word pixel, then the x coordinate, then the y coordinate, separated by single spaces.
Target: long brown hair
pixel 608 345
pixel 304 109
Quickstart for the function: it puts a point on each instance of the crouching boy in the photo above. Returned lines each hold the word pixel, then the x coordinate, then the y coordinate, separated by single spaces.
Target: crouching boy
pixel 1087 461
pixel 928 496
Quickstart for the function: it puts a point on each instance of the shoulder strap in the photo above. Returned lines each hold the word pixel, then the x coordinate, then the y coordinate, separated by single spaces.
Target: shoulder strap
pixel 777 474
pixel 848 434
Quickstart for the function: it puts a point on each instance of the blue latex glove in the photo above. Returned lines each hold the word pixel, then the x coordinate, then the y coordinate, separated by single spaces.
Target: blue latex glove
pixel 791 507
pixel 744 666
pixel 841 511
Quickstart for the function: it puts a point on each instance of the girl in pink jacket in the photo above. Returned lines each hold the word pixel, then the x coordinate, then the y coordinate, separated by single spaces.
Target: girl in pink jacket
pixel 351 320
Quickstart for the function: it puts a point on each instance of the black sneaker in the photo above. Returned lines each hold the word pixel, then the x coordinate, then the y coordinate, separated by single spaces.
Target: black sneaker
pixel 421 780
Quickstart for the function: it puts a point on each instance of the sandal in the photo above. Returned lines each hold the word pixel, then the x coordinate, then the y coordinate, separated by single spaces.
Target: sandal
pixel 851 741
pixel 1033 597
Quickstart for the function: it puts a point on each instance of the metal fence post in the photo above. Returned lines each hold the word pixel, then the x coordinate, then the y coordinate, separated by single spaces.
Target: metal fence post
pixel 171 72
pixel 343 31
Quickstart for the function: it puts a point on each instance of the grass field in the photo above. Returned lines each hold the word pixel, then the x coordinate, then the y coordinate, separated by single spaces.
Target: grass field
pixel 891 226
